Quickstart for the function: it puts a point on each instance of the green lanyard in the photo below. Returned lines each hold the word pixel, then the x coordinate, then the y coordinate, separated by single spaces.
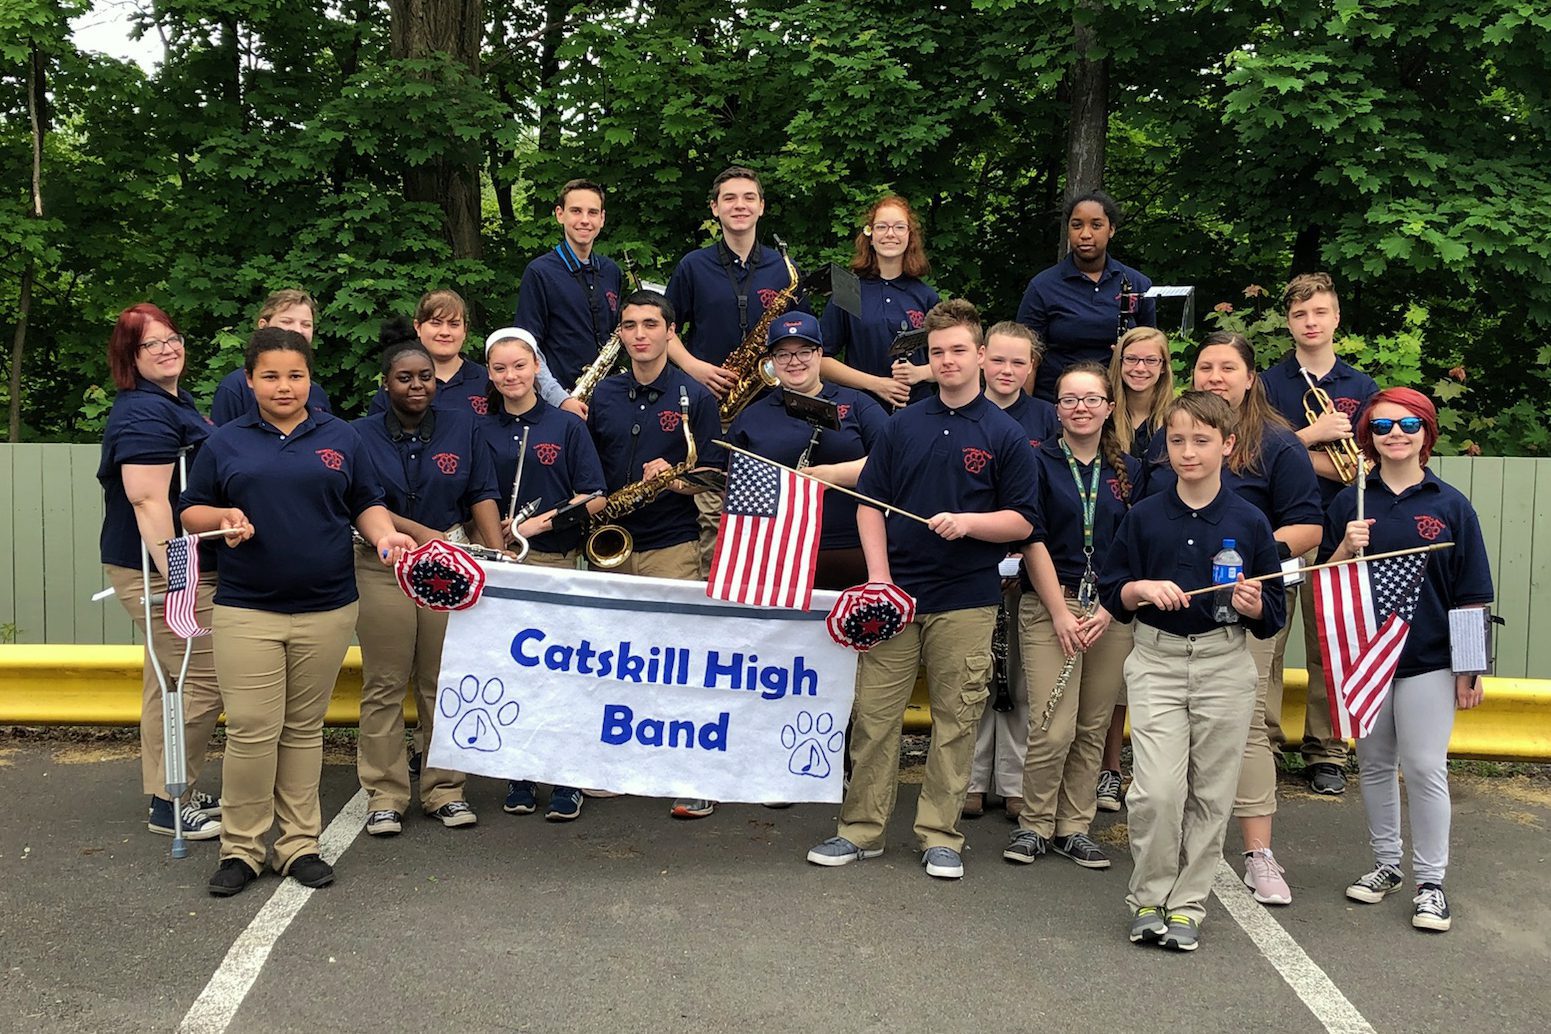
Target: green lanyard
pixel 1090 501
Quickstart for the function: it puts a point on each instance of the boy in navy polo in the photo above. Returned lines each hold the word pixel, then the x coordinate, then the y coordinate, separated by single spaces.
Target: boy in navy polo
pixel 961 460
pixel 288 310
pixel 1313 314
pixel 1190 679
pixel 569 299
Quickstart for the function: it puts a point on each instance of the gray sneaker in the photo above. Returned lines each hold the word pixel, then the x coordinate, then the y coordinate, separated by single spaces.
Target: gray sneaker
pixel 840 851
pixel 943 862
pixel 1148 925
pixel 1080 848
pixel 1183 934
pixel 1371 887
pixel 1025 846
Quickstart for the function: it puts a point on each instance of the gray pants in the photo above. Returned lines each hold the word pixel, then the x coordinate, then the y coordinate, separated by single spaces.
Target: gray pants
pixel 1411 736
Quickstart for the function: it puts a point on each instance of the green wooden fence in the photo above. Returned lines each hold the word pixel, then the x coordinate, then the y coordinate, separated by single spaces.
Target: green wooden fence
pixel 51 512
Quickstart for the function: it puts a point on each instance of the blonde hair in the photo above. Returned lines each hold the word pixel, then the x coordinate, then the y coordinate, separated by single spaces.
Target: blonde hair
pixel 1305 286
pixel 1162 389
pixel 443 303
pixel 956 312
pixel 279 300
pixel 1009 328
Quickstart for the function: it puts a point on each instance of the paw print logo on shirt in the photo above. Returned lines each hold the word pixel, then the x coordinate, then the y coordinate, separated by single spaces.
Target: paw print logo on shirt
pixel 613 300
pixel 479 713
pixel 843 410
pixel 479 404
pixel 975 460
pixel 668 420
pixel 446 462
pixel 767 296
pixel 1347 406
pixel 1428 527
pixel 333 459
pixel 916 317
pixel 812 739
pixel 1114 488
pixel 547 452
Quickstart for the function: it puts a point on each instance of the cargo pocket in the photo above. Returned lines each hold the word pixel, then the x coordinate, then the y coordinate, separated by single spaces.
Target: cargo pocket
pixel 976 688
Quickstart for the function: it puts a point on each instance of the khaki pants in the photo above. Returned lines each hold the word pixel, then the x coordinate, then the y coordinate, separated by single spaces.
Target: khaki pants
pixel 400 643
pixel 564 561
pixel 1257 777
pixel 1192 698
pixel 201 695
pixel 277 673
pixel 1320 742
pixel 1003 736
pixel 681 561
pixel 1061 770
pixel 710 506
pixel 955 646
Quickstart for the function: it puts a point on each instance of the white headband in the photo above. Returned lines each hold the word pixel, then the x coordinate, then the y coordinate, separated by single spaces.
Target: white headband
pixel 506 334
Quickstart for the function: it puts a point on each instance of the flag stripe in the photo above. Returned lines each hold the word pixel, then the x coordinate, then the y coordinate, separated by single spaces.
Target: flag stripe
pixel 182 597
pixel 767 546
pixel 1362 613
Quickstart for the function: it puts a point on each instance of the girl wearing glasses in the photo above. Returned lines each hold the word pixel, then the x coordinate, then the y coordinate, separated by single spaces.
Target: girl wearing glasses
pixel 890 259
pixel 1406 505
pixel 152 423
pixel 1141 379
pixel 1270 469
pixel 795 345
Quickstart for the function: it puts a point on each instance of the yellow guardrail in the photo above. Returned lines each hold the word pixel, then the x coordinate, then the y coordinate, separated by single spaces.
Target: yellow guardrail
pixel 100 685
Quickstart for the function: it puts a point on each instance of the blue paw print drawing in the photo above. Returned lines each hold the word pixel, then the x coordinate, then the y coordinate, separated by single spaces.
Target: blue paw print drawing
pixel 812 739
pixel 481 713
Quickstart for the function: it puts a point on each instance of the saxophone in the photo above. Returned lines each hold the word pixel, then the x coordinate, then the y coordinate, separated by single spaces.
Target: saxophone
pixel 748 362
pixel 609 544
pixel 608 355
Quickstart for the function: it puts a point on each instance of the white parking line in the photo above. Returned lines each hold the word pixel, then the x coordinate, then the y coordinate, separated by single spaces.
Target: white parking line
pixel 1307 980
pixel 213 1010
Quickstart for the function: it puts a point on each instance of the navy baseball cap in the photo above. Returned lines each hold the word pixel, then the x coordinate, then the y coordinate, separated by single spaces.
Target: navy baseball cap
pixel 802 325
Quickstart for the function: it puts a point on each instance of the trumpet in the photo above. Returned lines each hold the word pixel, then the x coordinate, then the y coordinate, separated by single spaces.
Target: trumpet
pixel 1343 453
pixel 609 544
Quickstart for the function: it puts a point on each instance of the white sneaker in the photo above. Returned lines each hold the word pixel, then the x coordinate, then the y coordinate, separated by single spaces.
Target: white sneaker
pixel 1264 877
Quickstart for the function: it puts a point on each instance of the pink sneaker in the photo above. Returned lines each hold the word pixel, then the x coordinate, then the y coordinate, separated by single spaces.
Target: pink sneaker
pixel 1264 877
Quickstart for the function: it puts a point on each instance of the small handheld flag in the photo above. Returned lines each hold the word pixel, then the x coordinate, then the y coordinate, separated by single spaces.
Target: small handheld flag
pixel 183 588
pixel 768 544
pixel 1364 613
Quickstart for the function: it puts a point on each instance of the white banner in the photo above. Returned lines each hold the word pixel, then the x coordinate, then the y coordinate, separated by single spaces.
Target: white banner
pixel 643 686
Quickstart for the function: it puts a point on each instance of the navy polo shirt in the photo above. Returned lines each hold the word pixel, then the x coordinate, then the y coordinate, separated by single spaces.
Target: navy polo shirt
pixel 301 492
pixel 1281 485
pixel 233 398
pixel 1037 418
pixel 888 307
pixel 932 459
pixel 1077 317
pixel 766 428
pixel 571 306
pixel 704 292
pixel 632 423
pixel 1423 514
pixel 435 474
pixel 1163 539
pixel 1349 389
pixel 562 463
pixel 464 392
pixel 1059 521
pixel 147 426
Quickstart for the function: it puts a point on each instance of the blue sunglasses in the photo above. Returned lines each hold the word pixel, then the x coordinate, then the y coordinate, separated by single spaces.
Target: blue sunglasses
pixel 1384 425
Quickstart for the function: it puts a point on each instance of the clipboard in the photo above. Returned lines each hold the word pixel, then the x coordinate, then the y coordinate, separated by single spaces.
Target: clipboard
pixel 816 411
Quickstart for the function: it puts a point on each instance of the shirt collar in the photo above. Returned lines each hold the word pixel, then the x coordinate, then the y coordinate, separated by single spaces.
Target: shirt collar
pixel 182 395
pixel 1212 512
pixel 664 382
pixel 1430 483
pixel 531 417
pixel 974 409
pixel 396 430
pixel 1111 267
pixel 252 419
pixel 569 258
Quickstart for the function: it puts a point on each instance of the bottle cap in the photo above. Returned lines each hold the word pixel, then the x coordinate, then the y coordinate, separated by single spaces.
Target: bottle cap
pixel 1229 543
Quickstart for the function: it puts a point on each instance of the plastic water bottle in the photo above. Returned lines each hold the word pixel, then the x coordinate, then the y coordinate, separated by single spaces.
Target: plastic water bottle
pixel 1227 565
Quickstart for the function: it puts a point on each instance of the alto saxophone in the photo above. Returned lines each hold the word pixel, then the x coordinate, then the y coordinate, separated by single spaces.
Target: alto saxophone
pixel 748 362
pixel 608 355
pixel 609 544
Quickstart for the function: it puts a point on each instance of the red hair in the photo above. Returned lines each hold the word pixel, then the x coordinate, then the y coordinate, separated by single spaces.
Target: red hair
pixel 124 342
pixel 1406 398
pixel 864 261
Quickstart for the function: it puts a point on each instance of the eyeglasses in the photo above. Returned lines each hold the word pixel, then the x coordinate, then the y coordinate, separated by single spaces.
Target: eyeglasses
pixel 1148 361
pixel 1383 425
pixel 788 358
pixel 1073 401
pixel 156 347
pixel 897 229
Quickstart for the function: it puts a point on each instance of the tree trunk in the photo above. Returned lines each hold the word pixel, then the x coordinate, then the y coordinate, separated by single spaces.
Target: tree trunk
pixel 420 28
pixel 1089 126
pixel 35 114
pixel 549 101
pixel 1305 251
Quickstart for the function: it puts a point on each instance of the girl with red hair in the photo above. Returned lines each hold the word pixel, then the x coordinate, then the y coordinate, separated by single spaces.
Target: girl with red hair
pixel 1407 506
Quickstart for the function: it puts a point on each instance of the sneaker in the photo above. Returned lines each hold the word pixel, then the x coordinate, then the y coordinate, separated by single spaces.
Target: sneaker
pixel 1109 790
pixel 840 851
pixel 1025 846
pixel 1148 924
pixel 601 795
pixel 974 805
pixel 1264 876
pixel 565 804
pixel 454 814
pixel 1432 908
pixel 384 823
pixel 1371 887
pixel 231 878
pixel 692 808
pixel 943 862
pixel 207 803
pixel 520 798
pixel 415 758
pixel 311 870
pixel 1183 933
pixel 1012 807
pixel 196 824
pixel 1080 848
pixel 1327 778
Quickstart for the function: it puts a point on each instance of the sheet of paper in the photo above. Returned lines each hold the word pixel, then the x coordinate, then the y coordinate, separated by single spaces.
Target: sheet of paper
pixel 1468 640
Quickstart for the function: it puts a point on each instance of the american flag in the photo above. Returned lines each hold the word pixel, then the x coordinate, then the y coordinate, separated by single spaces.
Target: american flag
pixel 183 588
pixel 768 544
pixel 1364 613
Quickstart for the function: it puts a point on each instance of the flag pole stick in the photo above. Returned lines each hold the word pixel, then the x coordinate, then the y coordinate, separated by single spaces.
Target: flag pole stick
pixel 201 536
pixel 887 508
pixel 1331 563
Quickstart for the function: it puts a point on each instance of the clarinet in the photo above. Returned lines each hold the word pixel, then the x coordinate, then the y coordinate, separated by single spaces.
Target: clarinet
pixel 1126 301
pixel 1001 680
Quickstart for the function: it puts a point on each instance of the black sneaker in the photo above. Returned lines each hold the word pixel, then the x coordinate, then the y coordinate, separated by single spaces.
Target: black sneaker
pixel 231 878
pixel 197 825
pixel 311 870
pixel 1025 846
pixel 208 803
pixel 1327 778
pixel 521 797
pixel 454 814
pixel 384 823
pixel 565 804
pixel 1109 790
pixel 1080 848
pixel 1371 887
pixel 1432 908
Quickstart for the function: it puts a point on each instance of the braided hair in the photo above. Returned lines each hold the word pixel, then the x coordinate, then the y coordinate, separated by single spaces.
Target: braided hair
pixel 1109 439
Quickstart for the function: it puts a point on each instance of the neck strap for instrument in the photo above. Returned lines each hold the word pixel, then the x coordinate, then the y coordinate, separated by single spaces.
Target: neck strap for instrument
pixel 586 274
pixel 740 286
